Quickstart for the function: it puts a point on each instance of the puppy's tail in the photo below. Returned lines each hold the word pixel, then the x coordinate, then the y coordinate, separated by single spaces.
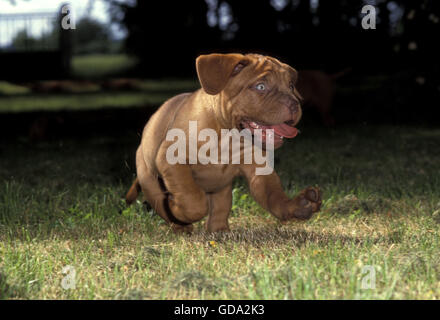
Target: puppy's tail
pixel 133 193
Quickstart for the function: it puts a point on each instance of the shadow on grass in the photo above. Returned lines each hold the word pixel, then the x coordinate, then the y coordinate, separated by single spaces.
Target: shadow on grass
pixel 9 291
pixel 281 235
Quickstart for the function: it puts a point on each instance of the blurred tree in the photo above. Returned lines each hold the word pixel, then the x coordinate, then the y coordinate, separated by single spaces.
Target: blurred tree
pixel 308 33
pixel 167 34
pixel 419 29
pixel 22 41
pixel 91 36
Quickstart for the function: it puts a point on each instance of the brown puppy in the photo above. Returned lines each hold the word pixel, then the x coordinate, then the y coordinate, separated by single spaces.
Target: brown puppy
pixel 238 91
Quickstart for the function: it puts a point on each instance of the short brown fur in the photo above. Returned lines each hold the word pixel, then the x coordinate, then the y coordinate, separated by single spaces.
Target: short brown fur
pixel 186 193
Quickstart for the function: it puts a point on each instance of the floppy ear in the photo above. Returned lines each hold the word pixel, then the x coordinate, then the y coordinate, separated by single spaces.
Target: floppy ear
pixel 214 70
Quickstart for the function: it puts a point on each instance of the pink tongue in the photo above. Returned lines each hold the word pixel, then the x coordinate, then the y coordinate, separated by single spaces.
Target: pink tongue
pixel 284 130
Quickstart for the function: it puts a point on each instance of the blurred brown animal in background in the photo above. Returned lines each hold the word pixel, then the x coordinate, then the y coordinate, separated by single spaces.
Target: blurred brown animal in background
pixel 317 90
pixel 44 126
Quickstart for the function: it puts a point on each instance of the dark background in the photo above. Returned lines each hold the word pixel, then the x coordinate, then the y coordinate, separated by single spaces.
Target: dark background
pixel 393 72
pixel 325 35
pixel 322 35
pixel 307 34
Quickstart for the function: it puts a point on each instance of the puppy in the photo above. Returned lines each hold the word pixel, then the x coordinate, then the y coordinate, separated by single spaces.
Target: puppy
pixel 251 92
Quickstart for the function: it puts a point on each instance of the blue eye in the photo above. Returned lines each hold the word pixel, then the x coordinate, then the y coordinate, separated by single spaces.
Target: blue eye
pixel 260 87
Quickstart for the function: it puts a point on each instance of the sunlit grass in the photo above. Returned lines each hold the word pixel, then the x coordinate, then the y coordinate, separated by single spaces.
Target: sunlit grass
pixel 61 204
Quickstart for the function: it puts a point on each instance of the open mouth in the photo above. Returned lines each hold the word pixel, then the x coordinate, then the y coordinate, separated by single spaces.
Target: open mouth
pixel 280 131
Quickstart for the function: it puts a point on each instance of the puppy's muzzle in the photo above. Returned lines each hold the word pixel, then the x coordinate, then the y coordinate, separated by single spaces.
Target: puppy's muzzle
pixel 293 106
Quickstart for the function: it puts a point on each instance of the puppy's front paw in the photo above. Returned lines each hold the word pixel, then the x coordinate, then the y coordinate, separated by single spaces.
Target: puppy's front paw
pixel 304 205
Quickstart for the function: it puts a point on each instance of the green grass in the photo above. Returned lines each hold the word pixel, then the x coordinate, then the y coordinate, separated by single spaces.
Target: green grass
pixel 61 204
pixel 86 101
pixel 150 93
pixel 19 98
pixel 101 65
pixel 7 88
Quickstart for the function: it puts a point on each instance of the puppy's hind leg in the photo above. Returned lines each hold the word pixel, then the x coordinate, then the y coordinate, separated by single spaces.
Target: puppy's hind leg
pixel 157 196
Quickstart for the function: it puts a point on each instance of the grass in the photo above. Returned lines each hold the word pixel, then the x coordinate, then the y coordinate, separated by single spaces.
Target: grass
pixel 7 88
pixel 97 68
pixel 89 101
pixel 153 94
pixel 101 65
pixel 150 93
pixel 61 204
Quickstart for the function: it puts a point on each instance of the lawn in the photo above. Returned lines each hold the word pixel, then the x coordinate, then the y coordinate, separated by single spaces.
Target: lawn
pixel 61 205
pixel 15 98
pixel 86 101
pixel 101 65
pixel 96 70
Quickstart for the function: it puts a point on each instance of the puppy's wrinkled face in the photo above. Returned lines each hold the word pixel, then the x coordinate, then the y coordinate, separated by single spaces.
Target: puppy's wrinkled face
pixel 260 94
